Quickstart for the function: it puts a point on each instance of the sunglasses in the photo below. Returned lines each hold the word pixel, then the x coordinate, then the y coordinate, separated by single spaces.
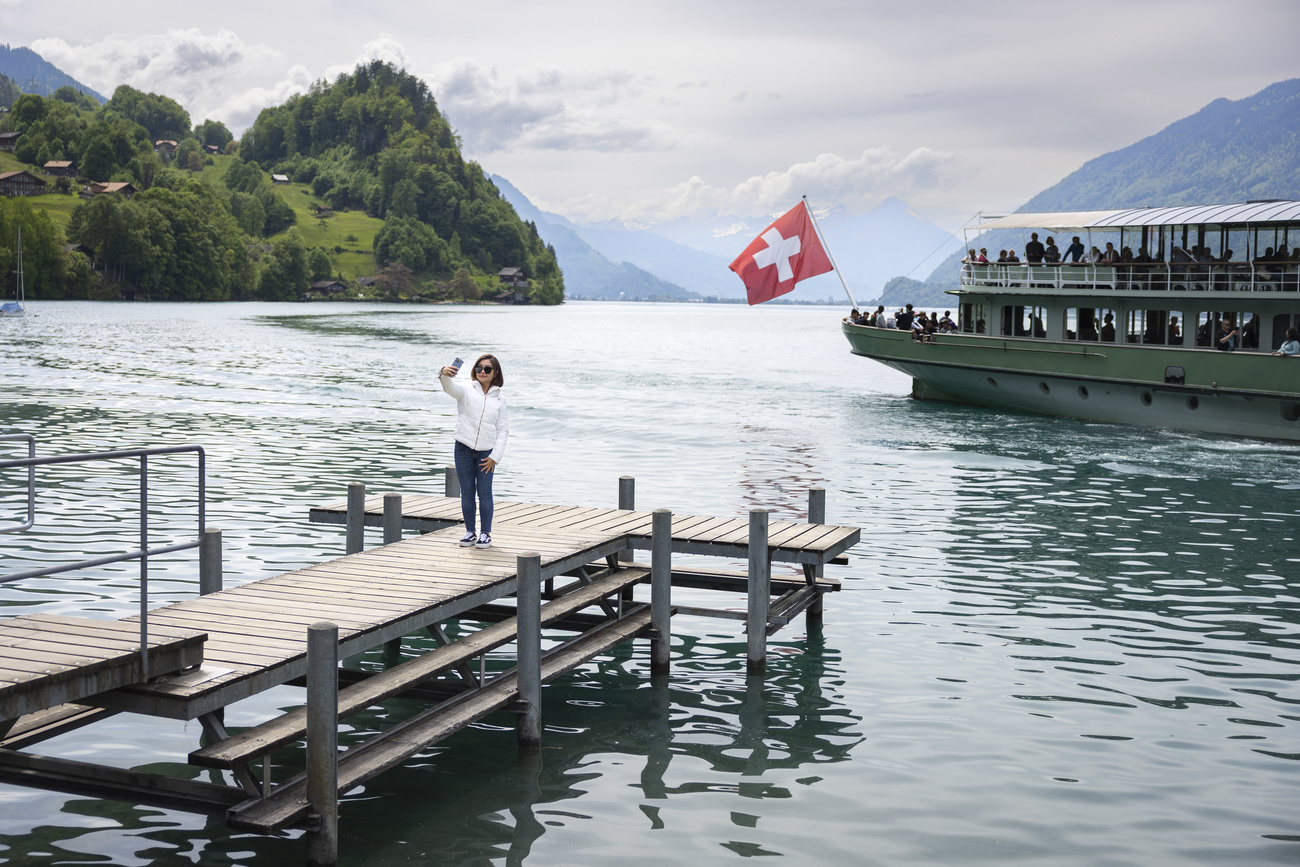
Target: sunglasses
pixel 483 368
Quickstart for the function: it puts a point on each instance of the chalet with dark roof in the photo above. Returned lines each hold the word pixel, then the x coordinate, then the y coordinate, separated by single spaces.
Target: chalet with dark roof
pixel 8 140
pixel 165 146
pixel 61 168
pixel 21 184
pixel 122 188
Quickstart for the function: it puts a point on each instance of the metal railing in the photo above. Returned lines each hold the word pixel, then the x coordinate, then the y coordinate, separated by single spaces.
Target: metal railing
pixel 144 552
pixel 1201 276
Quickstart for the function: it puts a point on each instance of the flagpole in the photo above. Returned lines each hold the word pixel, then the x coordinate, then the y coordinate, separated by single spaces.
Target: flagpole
pixel 829 254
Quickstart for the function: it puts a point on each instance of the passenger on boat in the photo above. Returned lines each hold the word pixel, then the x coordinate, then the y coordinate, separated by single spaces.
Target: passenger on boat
pixel 1074 251
pixel 853 317
pixel 1291 346
pixel 1051 255
pixel 1002 257
pixel 1108 328
pixel 1034 250
pixel 946 325
pixel 971 258
pixel 904 318
pixel 1110 257
pixel 1012 258
pixel 1143 257
pixel 983 258
pixel 1175 334
pixel 879 317
pixel 1227 336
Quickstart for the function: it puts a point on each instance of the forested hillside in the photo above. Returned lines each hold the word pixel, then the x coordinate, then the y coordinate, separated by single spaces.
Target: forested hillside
pixel 206 225
pixel 8 91
pixel 375 140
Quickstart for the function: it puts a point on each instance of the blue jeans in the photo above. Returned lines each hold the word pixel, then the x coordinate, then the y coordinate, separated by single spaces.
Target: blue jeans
pixel 473 481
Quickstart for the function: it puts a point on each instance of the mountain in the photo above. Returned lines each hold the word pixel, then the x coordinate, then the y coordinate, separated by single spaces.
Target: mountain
pixel 8 91
pixel 588 273
pixel 33 74
pixel 1229 151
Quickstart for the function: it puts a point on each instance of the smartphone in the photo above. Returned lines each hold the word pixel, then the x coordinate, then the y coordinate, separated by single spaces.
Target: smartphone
pixel 457 364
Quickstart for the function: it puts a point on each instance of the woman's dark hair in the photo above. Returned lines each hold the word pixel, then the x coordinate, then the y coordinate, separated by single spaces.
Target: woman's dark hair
pixel 497 378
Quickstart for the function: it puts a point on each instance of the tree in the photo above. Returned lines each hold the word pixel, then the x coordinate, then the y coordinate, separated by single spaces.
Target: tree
pixel 97 159
pixel 194 162
pixel 161 116
pixel 318 262
pixel 394 280
pixel 212 132
pixel 462 283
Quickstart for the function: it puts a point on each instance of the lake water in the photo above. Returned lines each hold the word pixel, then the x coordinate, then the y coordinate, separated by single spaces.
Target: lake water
pixel 1058 643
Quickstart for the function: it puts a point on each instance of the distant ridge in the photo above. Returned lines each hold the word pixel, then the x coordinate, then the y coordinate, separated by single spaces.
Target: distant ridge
pixel 1229 151
pixel 34 74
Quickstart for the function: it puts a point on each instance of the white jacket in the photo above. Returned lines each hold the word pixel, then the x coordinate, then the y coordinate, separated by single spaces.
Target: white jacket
pixel 481 419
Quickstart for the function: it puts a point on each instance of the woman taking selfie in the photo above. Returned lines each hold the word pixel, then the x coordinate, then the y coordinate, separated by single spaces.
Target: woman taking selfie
pixel 481 430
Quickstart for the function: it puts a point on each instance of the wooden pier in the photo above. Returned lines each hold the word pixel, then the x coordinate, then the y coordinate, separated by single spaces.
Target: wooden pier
pixel 566 568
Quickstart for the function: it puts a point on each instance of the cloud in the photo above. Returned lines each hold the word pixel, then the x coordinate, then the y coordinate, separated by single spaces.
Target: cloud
pixel 212 75
pixel 546 108
pixel 830 179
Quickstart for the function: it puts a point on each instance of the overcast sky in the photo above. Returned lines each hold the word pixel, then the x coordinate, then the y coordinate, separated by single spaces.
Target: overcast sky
pixel 652 110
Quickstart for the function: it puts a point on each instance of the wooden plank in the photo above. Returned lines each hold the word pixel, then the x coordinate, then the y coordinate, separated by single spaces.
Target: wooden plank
pixel 290 727
pixel 51 722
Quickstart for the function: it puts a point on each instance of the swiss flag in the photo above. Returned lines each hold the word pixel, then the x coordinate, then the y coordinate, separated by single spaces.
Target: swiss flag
pixel 786 253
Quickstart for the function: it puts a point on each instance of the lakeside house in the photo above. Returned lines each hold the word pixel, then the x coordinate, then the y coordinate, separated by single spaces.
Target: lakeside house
pixel 515 284
pixel 8 140
pixel 123 188
pixel 61 168
pixel 21 184
pixel 325 288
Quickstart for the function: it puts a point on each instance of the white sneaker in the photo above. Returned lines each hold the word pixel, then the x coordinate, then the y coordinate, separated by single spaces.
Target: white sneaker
pixel 467 540
pixel 484 541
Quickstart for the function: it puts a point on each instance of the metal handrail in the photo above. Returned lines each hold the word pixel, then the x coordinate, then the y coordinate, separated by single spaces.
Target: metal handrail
pixel 144 551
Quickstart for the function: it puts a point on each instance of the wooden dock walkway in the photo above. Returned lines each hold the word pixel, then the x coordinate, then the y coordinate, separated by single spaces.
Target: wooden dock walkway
pixel 240 641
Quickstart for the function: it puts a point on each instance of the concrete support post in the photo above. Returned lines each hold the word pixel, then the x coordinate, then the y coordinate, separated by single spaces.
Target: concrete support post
pixel 661 582
pixel 356 521
pixel 816 515
pixel 626 500
pixel 450 483
pixel 392 533
pixel 323 743
pixel 209 561
pixel 528 641
pixel 760 591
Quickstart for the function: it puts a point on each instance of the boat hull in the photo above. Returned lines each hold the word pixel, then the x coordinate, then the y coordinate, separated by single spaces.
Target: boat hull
pixel 1237 394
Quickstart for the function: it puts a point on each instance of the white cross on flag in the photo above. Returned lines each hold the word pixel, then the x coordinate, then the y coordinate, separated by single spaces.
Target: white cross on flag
pixel 787 253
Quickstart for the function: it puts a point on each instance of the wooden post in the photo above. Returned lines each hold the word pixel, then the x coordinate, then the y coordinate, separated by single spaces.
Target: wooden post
pixel 528 641
pixel 661 581
pixel 392 533
pixel 760 591
pixel 323 743
pixel 626 500
pixel 356 522
pixel 816 515
pixel 209 561
pixel 450 483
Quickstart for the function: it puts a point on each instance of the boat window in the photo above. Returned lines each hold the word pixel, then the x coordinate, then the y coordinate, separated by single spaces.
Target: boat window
pixel 1154 327
pixel 1026 321
pixel 1205 325
pixel 1081 323
pixel 1249 325
pixel 1281 323
pixel 974 318
pixel 1173 328
pixel 1107 320
pixel 1135 326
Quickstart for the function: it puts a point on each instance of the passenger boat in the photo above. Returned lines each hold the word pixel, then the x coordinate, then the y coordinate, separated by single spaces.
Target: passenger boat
pixel 15 308
pixel 1133 342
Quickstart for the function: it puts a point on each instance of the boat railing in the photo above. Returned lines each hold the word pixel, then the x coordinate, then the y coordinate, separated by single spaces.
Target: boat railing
pixel 144 552
pixel 1256 276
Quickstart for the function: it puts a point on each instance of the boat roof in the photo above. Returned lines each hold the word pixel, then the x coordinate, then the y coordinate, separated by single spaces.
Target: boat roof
pixel 1269 212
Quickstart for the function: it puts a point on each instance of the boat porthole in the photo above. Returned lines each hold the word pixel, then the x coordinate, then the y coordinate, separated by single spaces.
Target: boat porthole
pixel 1146 398
pixel 993 382
pixel 1193 403
pixel 1291 412
pixel 1083 392
pixel 1044 388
